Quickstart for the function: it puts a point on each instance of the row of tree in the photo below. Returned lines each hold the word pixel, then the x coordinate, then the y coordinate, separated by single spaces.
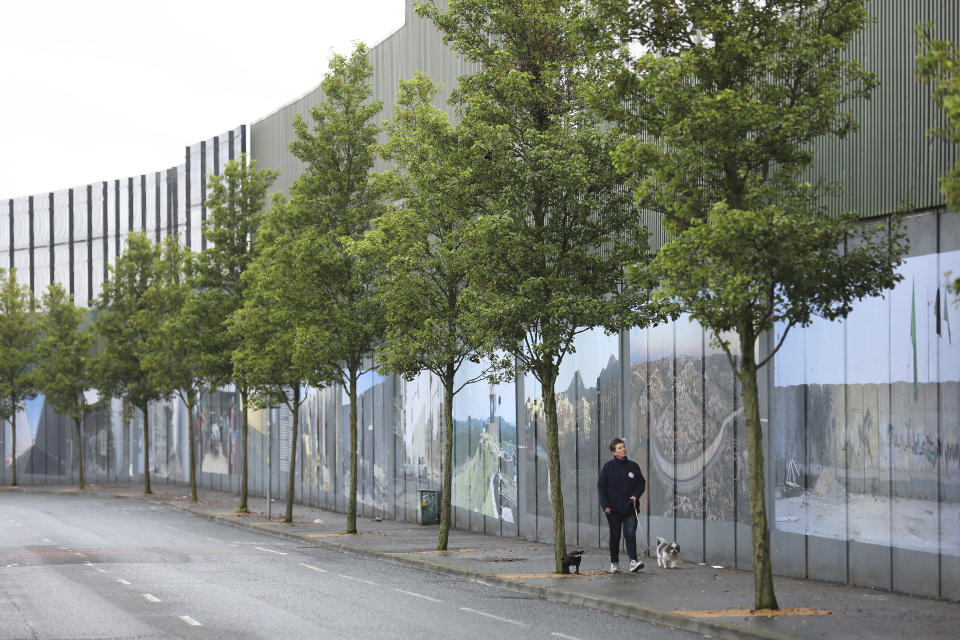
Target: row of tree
pixel 158 330
pixel 502 234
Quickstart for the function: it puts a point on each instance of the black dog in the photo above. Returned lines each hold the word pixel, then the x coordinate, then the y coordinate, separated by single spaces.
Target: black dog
pixel 572 560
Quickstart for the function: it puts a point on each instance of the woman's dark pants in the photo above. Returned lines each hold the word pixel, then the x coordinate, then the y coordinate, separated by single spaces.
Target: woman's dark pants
pixel 629 525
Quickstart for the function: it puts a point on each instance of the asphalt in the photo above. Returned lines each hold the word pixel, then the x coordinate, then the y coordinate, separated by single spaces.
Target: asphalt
pixel 711 600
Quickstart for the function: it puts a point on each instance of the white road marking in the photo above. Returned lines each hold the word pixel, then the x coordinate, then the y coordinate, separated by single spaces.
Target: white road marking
pixel 47 540
pixel 190 621
pixel 279 553
pixel 490 615
pixel 77 553
pixel 150 597
pixel 100 570
pixel 357 579
pixel 563 635
pixel 310 566
pixel 122 581
pixel 13 565
pixel 418 595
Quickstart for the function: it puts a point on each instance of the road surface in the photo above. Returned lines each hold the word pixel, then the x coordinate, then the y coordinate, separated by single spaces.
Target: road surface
pixel 83 567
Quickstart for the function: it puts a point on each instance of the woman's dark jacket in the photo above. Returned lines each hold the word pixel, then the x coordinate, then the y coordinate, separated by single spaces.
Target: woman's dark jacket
pixel 615 485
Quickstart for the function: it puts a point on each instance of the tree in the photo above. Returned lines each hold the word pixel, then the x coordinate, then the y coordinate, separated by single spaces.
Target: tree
pixel 265 328
pixel 176 351
pixel 64 357
pixel 721 114
pixel 124 325
pixel 339 316
pixel 416 250
pixel 234 204
pixel 547 259
pixel 938 62
pixel 19 331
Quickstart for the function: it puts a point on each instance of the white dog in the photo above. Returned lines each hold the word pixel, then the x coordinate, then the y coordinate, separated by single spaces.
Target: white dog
pixel 668 554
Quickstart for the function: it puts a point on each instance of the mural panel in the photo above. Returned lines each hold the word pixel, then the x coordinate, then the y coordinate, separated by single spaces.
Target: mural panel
pixel 875 446
pixel 588 395
pixel 485 437
pixel 418 458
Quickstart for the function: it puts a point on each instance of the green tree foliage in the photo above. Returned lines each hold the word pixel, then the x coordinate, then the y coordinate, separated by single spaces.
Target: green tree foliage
pixel 416 249
pixel 19 331
pixel 546 260
pixel 938 62
pixel 124 325
pixel 176 351
pixel 265 328
pixel 339 316
pixel 64 356
pixel 721 112
pixel 234 205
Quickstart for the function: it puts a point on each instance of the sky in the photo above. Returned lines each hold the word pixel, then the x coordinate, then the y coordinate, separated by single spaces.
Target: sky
pixel 96 90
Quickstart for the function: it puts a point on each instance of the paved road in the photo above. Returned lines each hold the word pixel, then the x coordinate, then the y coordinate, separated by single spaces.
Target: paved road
pixel 110 568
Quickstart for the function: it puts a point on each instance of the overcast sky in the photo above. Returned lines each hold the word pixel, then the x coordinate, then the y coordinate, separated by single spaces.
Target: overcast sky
pixel 102 89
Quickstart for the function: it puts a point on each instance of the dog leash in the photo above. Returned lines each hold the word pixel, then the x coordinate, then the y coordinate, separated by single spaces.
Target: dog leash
pixel 636 511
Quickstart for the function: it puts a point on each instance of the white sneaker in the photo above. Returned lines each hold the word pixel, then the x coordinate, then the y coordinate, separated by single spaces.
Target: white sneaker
pixel 614 567
pixel 635 565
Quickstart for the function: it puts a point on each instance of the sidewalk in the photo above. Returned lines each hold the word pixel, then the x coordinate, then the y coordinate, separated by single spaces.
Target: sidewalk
pixel 703 599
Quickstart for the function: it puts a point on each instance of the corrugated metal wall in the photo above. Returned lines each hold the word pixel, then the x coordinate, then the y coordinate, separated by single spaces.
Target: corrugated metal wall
pixel 888 163
pixel 417 46
pixel 891 161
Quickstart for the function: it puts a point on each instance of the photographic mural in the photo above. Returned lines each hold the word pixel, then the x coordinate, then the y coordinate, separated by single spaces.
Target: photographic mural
pixel 869 444
pixel 687 418
pixel 420 452
pixel 588 415
pixel 29 432
pixel 218 432
pixel 485 449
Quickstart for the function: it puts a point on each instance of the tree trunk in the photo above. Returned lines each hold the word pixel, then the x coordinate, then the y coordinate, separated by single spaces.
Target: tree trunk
pixel 192 431
pixel 288 515
pixel 243 508
pixel 764 597
pixel 352 497
pixel 78 424
pixel 548 378
pixel 447 488
pixel 146 451
pixel 13 432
